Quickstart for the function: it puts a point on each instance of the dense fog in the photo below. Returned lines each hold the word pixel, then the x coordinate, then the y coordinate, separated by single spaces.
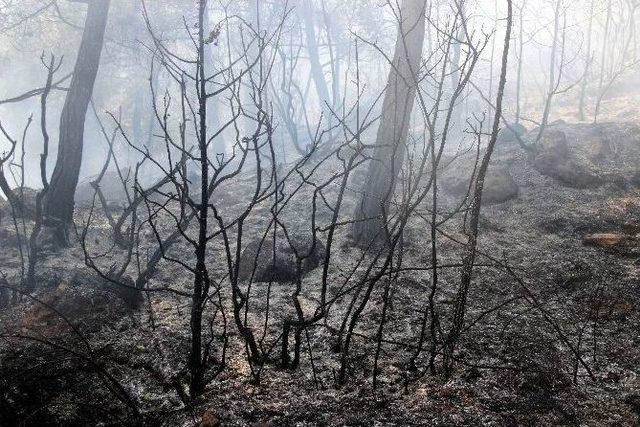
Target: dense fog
pixel 319 212
pixel 596 54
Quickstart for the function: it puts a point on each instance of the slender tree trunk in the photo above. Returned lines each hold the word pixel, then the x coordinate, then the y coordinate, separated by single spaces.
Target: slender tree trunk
pixel 59 202
pixel 254 17
pixel 394 125
pixel 151 117
pixel 317 72
pixel 552 71
pixel 475 209
pixel 493 56
pixel 197 366
pixel 587 65
pixel 455 65
pixel 603 61
pixel 520 62
pixel 334 42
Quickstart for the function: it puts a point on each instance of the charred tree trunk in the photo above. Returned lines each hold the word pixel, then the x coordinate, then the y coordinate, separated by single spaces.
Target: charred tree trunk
pixel 59 203
pixel 197 365
pixel 468 261
pixel 398 102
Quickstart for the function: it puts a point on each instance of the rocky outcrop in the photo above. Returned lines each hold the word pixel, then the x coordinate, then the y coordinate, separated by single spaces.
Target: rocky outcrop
pixel 552 157
pixel 499 186
pixel 511 133
pixel 24 194
pixel 263 263
pixel 83 299
pixel 4 208
pixel 110 185
pixel 589 155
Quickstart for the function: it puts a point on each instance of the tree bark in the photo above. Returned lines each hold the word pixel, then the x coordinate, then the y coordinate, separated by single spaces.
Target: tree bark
pixel 369 225
pixel 59 203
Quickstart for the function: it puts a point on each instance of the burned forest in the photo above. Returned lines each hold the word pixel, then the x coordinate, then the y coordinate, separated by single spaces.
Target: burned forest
pixel 319 212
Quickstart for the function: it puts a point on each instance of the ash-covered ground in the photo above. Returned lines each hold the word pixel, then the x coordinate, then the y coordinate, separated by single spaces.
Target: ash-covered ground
pixel 551 334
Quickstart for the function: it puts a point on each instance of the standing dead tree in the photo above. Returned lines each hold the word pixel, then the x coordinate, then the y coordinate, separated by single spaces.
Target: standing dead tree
pixel 52 67
pixel 16 197
pixel 476 205
pixel 555 75
pixel 397 106
pixel 437 109
pixel 184 194
pixel 614 62
pixel 588 57
pixel 59 203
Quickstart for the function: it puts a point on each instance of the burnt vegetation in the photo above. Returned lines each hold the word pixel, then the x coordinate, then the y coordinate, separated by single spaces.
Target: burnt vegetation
pixel 319 212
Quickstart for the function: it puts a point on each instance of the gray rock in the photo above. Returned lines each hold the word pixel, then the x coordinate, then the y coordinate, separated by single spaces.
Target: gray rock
pixel 124 289
pixel 552 157
pixel 511 132
pixel 499 186
pixel 4 208
pixel 590 155
pixel 111 186
pixel 84 299
pixel 283 266
pixel 28 197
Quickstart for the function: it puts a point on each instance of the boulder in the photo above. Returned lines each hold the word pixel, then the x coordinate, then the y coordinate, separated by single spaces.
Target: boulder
pixel 551 157
pixel 281 267
pixel 110 184
pixel 27 196
pixel 4 208
pixel 511 133
pixel 499 186
pixel 589 155
pixel 9 238
pixel 572 275
pixel 621 214
pixel 84 299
